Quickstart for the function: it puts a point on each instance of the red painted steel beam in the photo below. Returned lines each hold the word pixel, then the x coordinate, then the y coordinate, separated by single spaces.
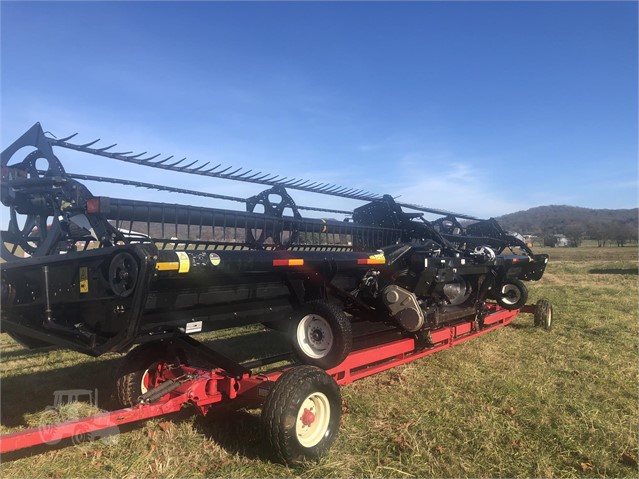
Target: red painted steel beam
pixel 367 362
pixel 56 432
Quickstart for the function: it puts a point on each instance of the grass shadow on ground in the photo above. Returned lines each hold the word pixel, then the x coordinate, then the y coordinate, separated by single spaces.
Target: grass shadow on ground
pixel 32 392
pixel 235 430
pixel 630 271
pixel 25 353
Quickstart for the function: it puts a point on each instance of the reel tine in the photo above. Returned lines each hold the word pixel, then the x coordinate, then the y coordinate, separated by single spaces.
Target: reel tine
pixel 243 174
pixel 295 183
pixel 86 145
pixel 67 138
pixel 212 169
pixel 228 175
pixel 157 162
pixel 175 164
pixel 101 150
pixel 253 175
pixel 133 157
pixel 186 167
pixel 360 193
pixel 222 171
pixel 199 167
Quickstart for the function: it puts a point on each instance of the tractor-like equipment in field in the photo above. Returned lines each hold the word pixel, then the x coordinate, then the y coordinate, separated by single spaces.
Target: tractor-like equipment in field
pixel 100 274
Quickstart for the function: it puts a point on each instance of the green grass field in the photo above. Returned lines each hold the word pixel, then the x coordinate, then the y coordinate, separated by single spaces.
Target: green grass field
pixel 519 402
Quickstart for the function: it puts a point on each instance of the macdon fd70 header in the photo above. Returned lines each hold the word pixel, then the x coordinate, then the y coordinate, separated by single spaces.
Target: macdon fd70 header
pixel 98 274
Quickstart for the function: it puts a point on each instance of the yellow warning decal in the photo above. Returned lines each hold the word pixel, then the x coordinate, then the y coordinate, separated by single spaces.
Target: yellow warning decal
pixel 84 279
pixel 323 225
pixel 168 266
pixel 185 263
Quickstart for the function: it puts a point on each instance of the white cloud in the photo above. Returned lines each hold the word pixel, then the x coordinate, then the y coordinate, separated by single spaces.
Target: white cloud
pixel 448 184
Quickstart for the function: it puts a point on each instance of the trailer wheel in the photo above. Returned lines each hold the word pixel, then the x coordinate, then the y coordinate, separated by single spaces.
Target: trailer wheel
pixel 543 314
pixel 301 415
pixel 139 371
pixel 322 334
pixel 512 294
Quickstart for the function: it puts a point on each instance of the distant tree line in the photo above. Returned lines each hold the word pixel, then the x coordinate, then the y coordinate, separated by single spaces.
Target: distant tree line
pixel 604 233
pixel 606 227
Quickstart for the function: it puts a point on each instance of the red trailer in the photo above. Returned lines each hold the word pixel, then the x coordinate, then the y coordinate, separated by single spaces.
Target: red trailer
pixel 301 404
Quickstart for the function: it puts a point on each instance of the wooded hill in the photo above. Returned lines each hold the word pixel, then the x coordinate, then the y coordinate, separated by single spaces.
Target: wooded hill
pixel 575 223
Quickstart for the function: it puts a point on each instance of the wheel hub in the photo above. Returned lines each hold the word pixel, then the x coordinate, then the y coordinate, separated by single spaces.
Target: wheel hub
pixel 307 418
pixel 510 294
pixel 316 335
pixel 313 419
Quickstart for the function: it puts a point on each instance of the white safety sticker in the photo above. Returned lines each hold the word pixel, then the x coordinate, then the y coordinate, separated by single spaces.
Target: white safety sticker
pixel 193 327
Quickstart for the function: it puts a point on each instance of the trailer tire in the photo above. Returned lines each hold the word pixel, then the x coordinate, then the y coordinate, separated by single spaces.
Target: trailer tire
pixel 134 376
pixel 301 415
pixel 322 334
pixel 544 314
pixel 512 294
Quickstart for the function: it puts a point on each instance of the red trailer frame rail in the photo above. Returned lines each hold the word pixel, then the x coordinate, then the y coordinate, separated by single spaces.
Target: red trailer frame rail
pixel 189 386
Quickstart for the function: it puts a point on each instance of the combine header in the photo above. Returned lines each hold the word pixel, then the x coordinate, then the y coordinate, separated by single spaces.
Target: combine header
pixel 97 274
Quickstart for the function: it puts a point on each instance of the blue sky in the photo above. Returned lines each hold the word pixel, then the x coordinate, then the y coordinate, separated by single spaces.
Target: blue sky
pixel 484 108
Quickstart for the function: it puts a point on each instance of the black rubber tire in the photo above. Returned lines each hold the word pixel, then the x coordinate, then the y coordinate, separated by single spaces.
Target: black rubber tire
pixel 282 412
pixel 340 328
pixel 133 366
pixel 544 314
pixel 27 342
pixel 515 296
